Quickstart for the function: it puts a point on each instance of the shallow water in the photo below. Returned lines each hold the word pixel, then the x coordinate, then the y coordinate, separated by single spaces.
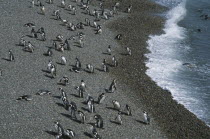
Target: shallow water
pixel 179 58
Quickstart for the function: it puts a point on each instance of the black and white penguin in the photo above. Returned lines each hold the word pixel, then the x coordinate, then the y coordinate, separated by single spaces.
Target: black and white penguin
pixel 118 119
pixel 82 89
pixel 101 98
pixel 105 67
pixel 63 3
pixel 29 25
pixel 32 3
pixel 43 92
pixel 49 52
pixel 116 105
pixel 128 10
pixel 25 97
pixel 99 121
pixel 113 86
pixel 64 81
pixel 118 37
pixel 90 68
pixel 67 45
pixel 22 42
pixel 43 10
pixel 63 93
pixel 59 129
pixel 70 133
pixel 65 103
pixel 146 117
pixel 91 106
pixel 109 50
pixel 114 61
pixel 59 37
pixel 63 60
pixel 74 10
pixel 128 51
pixel 128 110
pixel 82 117
pixel 11 56
pixel 73 109
pixel 53 71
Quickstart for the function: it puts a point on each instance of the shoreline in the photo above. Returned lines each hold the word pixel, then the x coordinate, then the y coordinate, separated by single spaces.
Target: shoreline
pixel 174 119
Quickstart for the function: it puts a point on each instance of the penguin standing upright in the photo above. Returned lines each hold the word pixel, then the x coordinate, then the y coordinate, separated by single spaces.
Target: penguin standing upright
pixel 49 52
pixel 146 117
pixel 82 117
pixel 118 119
pixel 63 60
pixel 65 103
pixel 11 56
pixel 128 110
pixel 91 106
pixel 82 89
pixel 112 87
pixel 59 130
pixel 64 81
pixel 73 108
pixel 101 98
pixel 43 9
pixel 116 105
pixel 99 121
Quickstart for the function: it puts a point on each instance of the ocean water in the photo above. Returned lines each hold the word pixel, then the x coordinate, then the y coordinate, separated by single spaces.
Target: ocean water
pixel 179 59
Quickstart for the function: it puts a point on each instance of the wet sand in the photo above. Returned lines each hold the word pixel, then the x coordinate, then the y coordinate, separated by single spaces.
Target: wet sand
pixel 25 76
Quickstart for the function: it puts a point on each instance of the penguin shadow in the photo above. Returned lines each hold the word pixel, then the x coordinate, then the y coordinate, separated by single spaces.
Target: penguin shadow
pixel 58 97
pixel 59 104
pixel 99 69
pixel 61 84
pixel 142 122
pixel 75 95
pixel 59 6
pixel 107 91
pixel 18 45
pixel 88 71
pixel 111 108
pixel 6 59
pixel 62 24
pixel 88 134
pixel 45 54
pixel 30 36
pixel 48 76
pixel 46 71
pixel 85 109
pixel 53 18
pixel 105 53
pixel 51 133
pixel 40 13
pixel 59 63
pixel 112 121
pixel 69 116
pixel 124 54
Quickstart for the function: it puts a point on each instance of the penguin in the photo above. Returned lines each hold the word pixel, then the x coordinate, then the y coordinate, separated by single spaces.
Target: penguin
pixel 78 64
pixel 50 2
pixel 70 133
pixel 105 67
pixel 59 129
pixel 119 37
pixel 87 22
pixel 89 98
pixel 82 117
pixel 82 88
pixel 105 15
pixel 63 94
pixel 25 97
pixel 32 3
pixel 33 33
pixel 146 117
pixel 116 105
pixel 29 47
pixel 63 60
pixel 74 10
pixel 109 50
pixel 11 56
pixel 99 31
pixel 69 7
pixel 114 61
pixel 65 103
pixel 118 119
pixel 22 42
pixel 49 52
pixel 43 92
pixel 112 87
pixel 63 3
pixel 91 106
pixel 59 37
pixel 43 36
pixel 128 51
pixel 99 121
pixel 38 2
pixel 67 45
pixel 128 110
pixel 73 108
pixel 94 132
pixel 90 68
pixel 43 9
pixel 95 24
pixel 81 43
pixel 64 81
pixel 60 47
pixel 29 25
pixel 53 71
pixel 101 98
pixel 56 12
pixel 49 65
pixel 128 10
